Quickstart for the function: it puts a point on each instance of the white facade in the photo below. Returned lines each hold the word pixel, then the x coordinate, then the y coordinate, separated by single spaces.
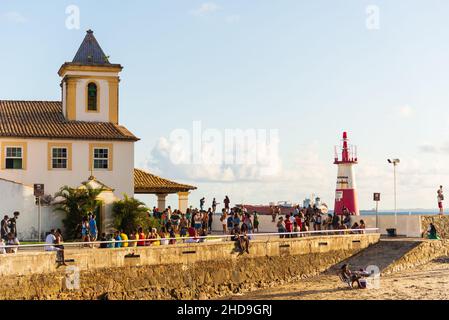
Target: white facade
pixel 16 186
pixel 19 197
pixel 120 177
pixel 83 79
pixel 90 93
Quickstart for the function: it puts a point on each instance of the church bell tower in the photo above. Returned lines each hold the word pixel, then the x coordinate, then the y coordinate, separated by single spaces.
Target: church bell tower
pixel 90 84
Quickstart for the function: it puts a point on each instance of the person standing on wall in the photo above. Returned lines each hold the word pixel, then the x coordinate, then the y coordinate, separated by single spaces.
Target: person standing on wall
pixel 202 202
pixel 226 202
pixel 440 197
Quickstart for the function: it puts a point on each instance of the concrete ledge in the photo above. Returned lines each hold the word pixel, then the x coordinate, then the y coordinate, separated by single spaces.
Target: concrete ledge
pixel 88 259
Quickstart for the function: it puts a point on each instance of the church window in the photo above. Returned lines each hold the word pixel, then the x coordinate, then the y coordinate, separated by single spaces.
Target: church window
pixel 101 158
pixel 59 158
pixel 14 159
pixel 92 95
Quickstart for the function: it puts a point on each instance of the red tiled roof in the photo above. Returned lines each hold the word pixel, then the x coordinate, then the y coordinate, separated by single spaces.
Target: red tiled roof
pixel 44 119
pixel 145 183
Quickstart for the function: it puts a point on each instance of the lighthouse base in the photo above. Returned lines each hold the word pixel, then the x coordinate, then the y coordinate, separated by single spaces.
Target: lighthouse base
pixel 346 198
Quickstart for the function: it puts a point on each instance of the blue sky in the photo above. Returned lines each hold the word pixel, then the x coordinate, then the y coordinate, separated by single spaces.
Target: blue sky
pixel 311 69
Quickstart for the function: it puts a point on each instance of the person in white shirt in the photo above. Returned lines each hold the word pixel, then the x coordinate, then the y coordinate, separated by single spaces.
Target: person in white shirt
pixel 51 240
pixel 440 198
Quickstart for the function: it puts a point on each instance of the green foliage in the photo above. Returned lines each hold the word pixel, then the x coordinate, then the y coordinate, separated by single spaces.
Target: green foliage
pixel 129 214
pixel 76 204
pixel 154 223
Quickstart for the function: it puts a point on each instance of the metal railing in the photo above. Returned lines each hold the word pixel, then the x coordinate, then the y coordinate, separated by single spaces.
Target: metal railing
pixel 191 240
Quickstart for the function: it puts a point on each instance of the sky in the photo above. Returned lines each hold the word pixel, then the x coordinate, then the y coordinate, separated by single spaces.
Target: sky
pixel 303 70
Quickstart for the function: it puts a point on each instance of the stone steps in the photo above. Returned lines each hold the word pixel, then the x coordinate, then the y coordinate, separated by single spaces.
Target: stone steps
pixel 382 254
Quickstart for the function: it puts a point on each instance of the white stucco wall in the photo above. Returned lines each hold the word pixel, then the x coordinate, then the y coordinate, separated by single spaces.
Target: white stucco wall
pixel 81 101
pixel 81 94
pixel 121 178
pixel 18 197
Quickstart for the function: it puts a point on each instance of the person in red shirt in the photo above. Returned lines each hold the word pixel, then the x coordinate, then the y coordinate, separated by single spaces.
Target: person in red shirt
pixel 141 236
pixel 288 225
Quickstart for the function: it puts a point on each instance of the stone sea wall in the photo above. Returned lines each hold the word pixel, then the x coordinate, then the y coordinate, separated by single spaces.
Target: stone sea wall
pixel 201 271
pixel 424 253
pixel 440 222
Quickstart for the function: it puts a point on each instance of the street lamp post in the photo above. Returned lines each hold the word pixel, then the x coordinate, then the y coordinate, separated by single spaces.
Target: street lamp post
pixel 395 162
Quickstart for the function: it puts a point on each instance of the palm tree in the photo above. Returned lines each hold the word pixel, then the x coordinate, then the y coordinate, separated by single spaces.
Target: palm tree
pixel 129 214
pixel 76 203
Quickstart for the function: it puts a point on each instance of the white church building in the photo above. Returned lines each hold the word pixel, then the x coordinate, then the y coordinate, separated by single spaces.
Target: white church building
pixel 79 138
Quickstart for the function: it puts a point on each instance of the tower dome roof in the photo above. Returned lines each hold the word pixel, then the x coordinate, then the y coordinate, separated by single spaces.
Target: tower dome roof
pixel 90 51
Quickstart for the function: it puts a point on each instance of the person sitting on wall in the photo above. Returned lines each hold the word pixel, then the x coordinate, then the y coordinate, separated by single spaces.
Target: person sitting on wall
pixel 140 236
pixel 281 227
pixel 288 226
pixel 335 221
pixel 355 226
pixel 342 226
pixel 347 218
pixel 52 239
pixel 118 239
pixel 124 237
pixel 296 230
pixel 244 239
pixel 235 232
pixel 362 226
pixel 193 236
pixel 58 244
pixel 103 238
pixel 432 232
pixel 132 237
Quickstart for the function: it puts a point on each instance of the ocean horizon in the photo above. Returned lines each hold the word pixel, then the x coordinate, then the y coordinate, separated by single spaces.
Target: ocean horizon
pixel 401 212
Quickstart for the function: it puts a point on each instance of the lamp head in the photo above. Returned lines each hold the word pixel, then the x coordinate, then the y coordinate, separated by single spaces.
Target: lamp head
pixel 394 161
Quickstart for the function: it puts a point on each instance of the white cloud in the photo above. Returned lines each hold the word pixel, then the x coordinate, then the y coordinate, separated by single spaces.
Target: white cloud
pixel 307 173
pixel 205 9
pixel 14 17
pixel 170 158
pixel 442 148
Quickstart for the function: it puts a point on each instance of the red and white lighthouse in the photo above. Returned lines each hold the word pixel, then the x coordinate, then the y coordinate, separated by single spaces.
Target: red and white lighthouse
pixel 346 193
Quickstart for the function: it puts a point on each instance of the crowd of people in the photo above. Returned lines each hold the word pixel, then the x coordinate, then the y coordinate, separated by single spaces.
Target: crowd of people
pixel 193 226
pixel 313 219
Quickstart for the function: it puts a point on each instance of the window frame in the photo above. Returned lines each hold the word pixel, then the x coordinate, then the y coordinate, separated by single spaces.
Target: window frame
pixel 51 147
pixel 14 157
pixel 101 158
pixel 96 146
pixel 59 157
pixel 5 145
